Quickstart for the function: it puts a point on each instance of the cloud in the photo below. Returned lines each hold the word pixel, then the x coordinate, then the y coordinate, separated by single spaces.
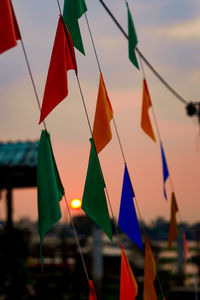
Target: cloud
pixel 110 43
pixel 182 31
pixel 195 76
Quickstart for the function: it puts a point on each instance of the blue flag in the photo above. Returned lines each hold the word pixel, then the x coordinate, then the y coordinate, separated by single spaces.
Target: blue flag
pixel 127 215
pixel 165 168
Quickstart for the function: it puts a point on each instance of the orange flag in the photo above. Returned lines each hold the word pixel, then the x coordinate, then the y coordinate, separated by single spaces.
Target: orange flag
pixel 9 30
pixel 149 292
pixel 101 131
pixel 145 119
pixel 92 291
pixel 173 230
pixel 62 60
pixel 128 284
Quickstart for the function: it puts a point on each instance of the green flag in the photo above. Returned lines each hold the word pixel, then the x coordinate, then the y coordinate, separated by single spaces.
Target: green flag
pixel 50 189
pixel 94 200
pixel 73 10
pixel 132 40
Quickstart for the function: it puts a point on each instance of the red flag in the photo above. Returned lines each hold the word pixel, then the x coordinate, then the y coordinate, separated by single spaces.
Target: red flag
pixel 128 284
pixel 62 60
pixel 9 30
pixel 17 31
pixel 92 291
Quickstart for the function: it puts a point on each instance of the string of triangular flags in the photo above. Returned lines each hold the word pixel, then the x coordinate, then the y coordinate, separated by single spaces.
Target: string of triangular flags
pixel 147 128
pixel 94 180
pixel 50 188
pixel 149 65
pixel 127 217
pixel 55 92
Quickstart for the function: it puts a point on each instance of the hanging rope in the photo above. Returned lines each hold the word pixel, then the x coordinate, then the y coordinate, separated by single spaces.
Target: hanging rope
pixel 77 241
pixel 159 135
pixel 115 125
pixel 39 106
pixel 164 82
pixel 121 148
pixel 90 127
pixel 31 77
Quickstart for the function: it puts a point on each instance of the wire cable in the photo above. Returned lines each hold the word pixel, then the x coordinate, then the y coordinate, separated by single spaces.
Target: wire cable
pixel 155 72
pixel 159 135
pixel 38 102
pixel 116 129
pixel 31 77
pixel 122 152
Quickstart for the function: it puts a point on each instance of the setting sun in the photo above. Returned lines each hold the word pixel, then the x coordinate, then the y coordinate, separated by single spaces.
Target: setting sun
pixel 76 203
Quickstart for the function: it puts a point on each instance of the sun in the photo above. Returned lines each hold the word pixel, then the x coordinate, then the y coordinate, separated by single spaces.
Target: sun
pixel 76 204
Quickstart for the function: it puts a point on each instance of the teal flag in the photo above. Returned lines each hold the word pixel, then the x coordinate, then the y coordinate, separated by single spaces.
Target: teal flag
pixel 50 189
pixel 73 10
pixel 94 200
pixel 132 40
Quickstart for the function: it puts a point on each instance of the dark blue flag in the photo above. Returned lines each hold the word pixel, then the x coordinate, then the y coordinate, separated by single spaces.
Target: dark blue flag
pixel 127 215
pixel 165 168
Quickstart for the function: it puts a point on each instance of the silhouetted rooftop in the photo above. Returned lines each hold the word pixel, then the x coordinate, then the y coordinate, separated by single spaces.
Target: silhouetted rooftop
pixel 18 164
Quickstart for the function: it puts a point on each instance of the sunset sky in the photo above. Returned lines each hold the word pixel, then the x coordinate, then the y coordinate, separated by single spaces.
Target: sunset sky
pixel 169 37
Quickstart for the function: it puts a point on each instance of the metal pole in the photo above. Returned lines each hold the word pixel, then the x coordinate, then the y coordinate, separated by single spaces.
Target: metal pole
pixel 9 223
pixel 97 260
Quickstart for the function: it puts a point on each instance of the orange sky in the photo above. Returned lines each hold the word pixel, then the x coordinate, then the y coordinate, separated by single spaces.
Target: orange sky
pixel 68 126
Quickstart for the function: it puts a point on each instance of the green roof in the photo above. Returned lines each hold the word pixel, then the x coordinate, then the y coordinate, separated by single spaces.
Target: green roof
pixel 18 162
pixel 18 154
